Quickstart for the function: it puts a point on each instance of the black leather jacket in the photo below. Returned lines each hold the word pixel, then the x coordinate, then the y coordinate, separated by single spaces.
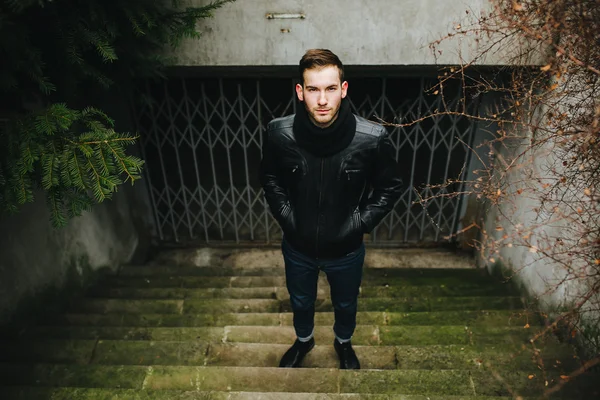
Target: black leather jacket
pixel 325 205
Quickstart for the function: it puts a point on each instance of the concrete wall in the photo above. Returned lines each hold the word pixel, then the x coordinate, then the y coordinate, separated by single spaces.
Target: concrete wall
pixel 529 240
pixel 377 32
pixel 39 262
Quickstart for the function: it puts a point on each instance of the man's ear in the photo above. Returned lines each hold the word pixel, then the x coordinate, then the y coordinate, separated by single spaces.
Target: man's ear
pixel 299 92
pixel 344 89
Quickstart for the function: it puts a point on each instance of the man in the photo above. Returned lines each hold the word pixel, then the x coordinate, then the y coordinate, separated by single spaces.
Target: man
pixel 317 171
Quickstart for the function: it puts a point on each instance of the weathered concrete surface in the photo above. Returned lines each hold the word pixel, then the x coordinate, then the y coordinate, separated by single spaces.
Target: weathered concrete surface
pixel 307 380
pixel 40 266
pixel 271 257
pixel 189 325
pixel 39 262
pixel 127 394
pixel 534 238
pixel 189 347
pixel 361 33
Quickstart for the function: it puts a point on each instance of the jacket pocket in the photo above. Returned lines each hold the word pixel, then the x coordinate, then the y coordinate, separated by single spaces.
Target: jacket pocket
pixel 288 219
pixel 352 175
pixel 352 228
pixel 293 175
pixel 353 185
pixel 358 225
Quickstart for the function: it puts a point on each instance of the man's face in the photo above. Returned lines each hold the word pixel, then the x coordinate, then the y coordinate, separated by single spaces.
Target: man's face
pixel 322 94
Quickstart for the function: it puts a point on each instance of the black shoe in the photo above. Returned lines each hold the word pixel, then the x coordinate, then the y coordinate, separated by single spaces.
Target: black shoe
pixel 348 359
pixel 294 356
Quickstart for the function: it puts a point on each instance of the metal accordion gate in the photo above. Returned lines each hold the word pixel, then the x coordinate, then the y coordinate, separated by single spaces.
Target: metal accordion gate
pixel 202 140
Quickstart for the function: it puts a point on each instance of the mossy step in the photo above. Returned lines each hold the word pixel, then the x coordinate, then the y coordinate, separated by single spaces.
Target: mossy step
pixel 91 376
pixel 194 282
pixel 242 355
pixel 48 350
pixel 217 306
pixel 364 335
pixel 30 393
pixel 201 352
pixel 128 306
pixel 294 380
pixel 451 382
pixel 397 357
pixel 281 292
pixel 497 318
pixel 473 274
pixel 182 281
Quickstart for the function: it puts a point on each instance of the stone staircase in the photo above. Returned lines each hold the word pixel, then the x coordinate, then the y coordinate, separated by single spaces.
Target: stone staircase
pixel 173 330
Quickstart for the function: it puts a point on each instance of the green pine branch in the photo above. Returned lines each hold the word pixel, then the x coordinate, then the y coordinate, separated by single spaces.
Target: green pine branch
pixel 76 169
pixel 55 53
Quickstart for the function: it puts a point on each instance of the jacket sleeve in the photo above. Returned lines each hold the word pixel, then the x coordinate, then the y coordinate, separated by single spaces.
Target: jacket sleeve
pixel 270 179
pixel 387 185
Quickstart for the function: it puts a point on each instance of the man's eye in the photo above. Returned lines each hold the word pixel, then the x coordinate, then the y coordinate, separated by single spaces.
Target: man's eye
pixel 332 89
pixel 312 90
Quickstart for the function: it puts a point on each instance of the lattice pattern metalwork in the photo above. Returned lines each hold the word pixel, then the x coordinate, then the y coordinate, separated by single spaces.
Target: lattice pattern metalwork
pixel 202 140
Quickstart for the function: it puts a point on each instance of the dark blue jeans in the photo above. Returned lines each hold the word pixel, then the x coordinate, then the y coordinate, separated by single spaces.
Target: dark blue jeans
pixel 344 276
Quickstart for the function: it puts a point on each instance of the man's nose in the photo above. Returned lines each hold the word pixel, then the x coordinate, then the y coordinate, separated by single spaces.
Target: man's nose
pixel 322 99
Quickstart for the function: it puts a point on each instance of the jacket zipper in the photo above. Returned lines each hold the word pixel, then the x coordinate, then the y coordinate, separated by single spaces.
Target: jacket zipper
pixel 319 212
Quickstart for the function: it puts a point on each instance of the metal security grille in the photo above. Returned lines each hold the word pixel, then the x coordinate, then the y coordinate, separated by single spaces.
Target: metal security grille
pixel 202 140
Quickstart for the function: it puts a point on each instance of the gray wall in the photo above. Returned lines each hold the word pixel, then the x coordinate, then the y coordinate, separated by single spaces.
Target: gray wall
pixel 38 262
pixel 531 253
pixel 376 32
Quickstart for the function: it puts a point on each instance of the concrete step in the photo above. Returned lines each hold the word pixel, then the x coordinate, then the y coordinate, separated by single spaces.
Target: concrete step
pixel 364 335
pixel 217 306
pixel 31 393
pixel 195 281
pixel 518 318
pixel 271 255
pixel 281 292
pixel 204 353
pixel 392 357
pixel 416 274
pixel 294 380
pixel 76 351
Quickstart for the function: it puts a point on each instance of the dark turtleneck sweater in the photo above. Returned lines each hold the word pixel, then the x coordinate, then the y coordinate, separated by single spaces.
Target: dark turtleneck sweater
pixel 324 142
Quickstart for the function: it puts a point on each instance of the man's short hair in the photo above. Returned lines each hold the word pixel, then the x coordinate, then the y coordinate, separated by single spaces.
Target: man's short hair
pixel 319 58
